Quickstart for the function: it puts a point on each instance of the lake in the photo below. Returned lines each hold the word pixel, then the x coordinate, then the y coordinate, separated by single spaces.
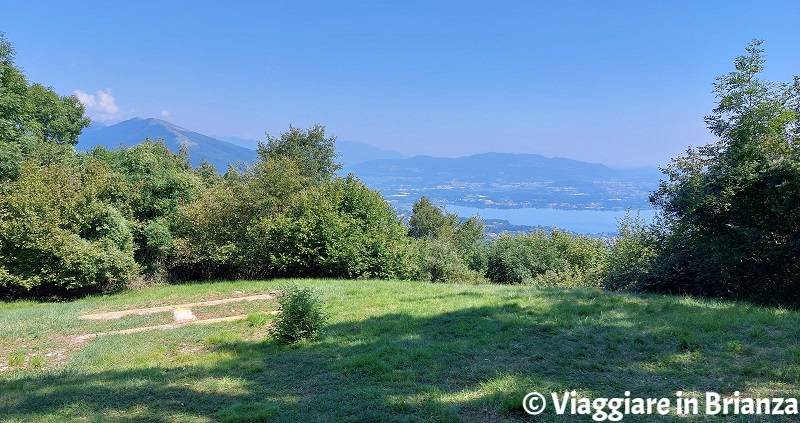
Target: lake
pixel 580 221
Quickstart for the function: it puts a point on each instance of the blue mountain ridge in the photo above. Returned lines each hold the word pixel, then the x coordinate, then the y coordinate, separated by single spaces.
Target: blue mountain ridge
pixel 134 131
pixel 498 180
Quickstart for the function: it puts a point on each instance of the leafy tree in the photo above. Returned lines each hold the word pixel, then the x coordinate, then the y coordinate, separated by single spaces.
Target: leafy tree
pixel 157 182
pixel 630 262
pixel 429 221
pixel 14 88
pixel 54 118
pixel 335 229
pixel 732 208
pixel 212 231
pixel 31 114
pixel 314 153
pixel 57 235
pixel 450 250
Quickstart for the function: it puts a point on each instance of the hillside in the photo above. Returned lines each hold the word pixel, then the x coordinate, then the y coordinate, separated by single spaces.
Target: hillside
pixel 133 131
pixel 392 351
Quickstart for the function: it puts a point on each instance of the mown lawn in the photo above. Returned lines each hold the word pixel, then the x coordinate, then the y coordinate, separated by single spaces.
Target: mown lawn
pixel 392 351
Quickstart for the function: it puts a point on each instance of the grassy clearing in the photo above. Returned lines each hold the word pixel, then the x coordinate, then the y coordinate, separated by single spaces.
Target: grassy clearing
pixel 392 351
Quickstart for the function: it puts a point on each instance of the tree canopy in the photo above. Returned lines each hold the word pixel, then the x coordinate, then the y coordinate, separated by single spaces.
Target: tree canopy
pixel 314 153
pixel 31 114
pixel 732 208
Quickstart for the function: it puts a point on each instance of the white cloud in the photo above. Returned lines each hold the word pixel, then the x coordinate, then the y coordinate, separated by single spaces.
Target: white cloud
pixel 86 99
pixel 165 113
pixel 99 106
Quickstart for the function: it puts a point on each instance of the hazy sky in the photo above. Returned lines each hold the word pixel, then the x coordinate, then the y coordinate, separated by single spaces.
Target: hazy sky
pixel 622 83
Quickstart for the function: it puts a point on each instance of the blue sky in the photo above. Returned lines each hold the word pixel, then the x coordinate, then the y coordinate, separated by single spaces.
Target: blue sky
pixel 625 83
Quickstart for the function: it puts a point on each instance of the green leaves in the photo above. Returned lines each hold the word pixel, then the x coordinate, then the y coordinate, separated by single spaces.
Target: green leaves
pixel 335 229
pixel 57 238
pixel 555 258
pixel 34 111
pixel 301 316
pixel 310 149
pixel 731 221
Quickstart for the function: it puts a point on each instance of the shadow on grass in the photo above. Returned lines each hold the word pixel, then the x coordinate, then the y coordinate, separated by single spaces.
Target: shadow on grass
pixel 473 364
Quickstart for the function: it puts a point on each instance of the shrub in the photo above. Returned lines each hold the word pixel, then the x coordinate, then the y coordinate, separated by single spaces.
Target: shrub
pixel 630 263
pixel 450 250
pixel 301 315
pixel 211 232
pixel 440 261
pixel 554 259
pixel 337 229
pixel 57 237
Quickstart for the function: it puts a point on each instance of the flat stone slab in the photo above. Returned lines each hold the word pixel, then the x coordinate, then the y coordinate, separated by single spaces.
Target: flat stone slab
pixel 183 315
pixel 152 310
pixel 162 327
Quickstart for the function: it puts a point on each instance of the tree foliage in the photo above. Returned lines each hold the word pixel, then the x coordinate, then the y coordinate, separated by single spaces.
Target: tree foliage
pixel 428 221
pixel 449 250
pixel 31 114
pixel 156 182
pixel 310 149
pixel 732 208
pixel 302 315
pixel 57 235
pixel 547 259
pixel 336 229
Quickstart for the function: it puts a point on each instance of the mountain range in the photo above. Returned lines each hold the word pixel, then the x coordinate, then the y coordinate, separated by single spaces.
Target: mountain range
pixel 500 180
pixel 219 150
pixel 504 180
pixel 133 131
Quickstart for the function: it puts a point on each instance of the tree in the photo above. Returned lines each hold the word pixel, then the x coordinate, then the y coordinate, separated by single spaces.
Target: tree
pixel 429 221
pixel 57 234
pixel 732 208
pixel 31 115
pixel 54 118
pixel 336 229
pixel 211 231
pixel 157 181
pixel 450 250
pixel 314 153
pixel 13 86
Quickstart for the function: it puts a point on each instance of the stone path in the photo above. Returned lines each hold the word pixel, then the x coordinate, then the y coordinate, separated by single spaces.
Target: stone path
pixel 152 310
pixel 182 313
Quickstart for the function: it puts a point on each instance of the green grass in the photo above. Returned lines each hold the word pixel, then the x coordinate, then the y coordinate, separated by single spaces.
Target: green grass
pixel 392 351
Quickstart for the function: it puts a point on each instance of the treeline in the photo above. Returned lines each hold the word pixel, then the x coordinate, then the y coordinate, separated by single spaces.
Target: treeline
pixel 73 222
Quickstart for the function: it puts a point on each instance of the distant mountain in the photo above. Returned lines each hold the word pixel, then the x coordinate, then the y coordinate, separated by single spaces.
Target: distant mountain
pixel 354 153
pixel 241 142
pixel 509 181
pixel 133 131
pixel 498 180
pixel 218 150
pixel 351 152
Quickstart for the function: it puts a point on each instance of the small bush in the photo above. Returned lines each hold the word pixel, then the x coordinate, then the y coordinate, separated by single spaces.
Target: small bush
pixel 301 315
